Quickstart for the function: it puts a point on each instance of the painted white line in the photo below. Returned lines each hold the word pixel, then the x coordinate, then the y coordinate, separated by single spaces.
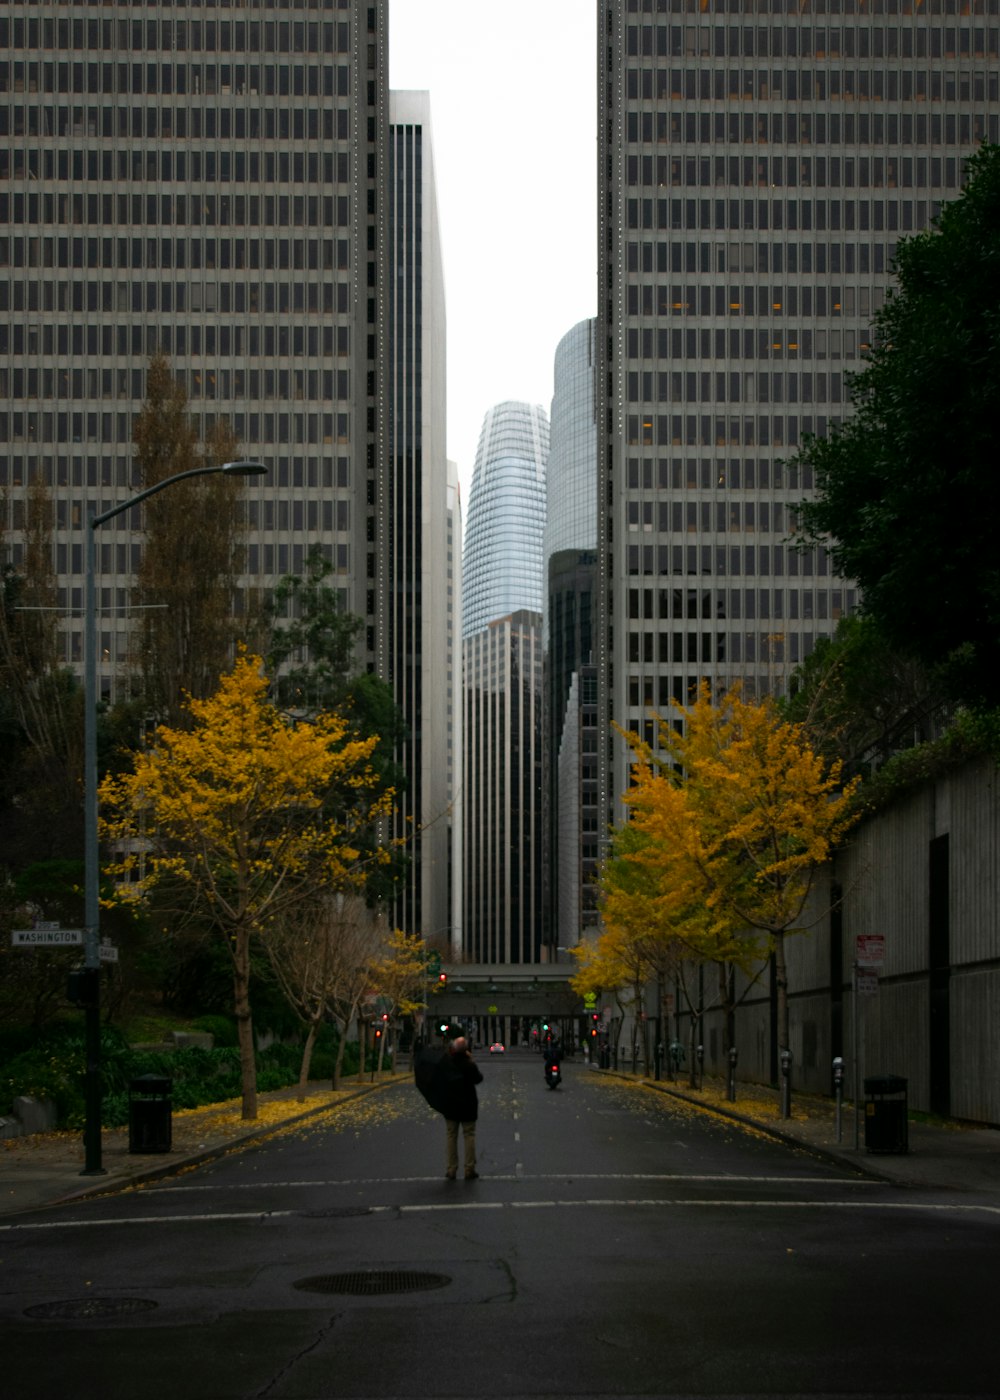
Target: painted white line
pixel 593 1203
pixel 720 1177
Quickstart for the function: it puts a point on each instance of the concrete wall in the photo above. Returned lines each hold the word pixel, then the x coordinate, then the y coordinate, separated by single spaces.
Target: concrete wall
pixel 936 1017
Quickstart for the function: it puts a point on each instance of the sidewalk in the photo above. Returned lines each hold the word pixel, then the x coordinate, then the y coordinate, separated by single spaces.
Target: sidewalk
pixel 45 1169
pixel 944 1154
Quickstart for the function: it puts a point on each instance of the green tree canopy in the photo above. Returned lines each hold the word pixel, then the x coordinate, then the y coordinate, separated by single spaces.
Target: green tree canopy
pixel 908 491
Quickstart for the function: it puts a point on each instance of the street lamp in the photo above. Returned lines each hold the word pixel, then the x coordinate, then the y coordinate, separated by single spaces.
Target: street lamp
pixel 92 933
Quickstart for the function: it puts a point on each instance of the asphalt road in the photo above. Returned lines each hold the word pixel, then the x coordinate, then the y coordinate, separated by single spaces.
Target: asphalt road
pixel 616 1244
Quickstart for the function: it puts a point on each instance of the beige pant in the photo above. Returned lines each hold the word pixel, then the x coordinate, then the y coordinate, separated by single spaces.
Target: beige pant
pixel 469 1133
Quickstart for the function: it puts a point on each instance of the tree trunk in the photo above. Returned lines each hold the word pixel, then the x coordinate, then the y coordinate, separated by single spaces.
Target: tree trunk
pixel 338 1064
pixel 781 989
pixel 244 1022
pixel 307 1052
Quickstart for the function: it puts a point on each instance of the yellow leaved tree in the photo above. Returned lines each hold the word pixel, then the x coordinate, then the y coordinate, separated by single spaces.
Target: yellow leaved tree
pixel 398 976
pixel 243 817
pixel 653 897
pixel 732 827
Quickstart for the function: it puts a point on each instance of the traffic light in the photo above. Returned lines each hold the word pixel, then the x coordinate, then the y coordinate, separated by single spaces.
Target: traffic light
pixel 385 1017
pixel 442 979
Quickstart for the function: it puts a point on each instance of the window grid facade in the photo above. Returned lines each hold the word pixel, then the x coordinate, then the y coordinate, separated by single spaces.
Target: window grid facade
pixel 210 185
pixel 757 166
pixel 503 776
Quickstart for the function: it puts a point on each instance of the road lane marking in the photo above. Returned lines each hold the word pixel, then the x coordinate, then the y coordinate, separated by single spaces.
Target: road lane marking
pixel 605 1203
pixel 720 1178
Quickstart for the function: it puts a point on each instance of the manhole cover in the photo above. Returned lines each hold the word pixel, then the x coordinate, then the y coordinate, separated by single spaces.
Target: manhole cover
pixel 367 1282
pixel 90 1308
pixel 336 1213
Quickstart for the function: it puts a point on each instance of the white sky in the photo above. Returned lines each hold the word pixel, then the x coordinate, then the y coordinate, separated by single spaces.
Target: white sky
pixel 513 94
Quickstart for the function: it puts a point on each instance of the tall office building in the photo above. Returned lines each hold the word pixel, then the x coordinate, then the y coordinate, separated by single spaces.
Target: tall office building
pixel 456 749
pixel 207 181
pixel 502 688
pixel 570 550
pixel 502 568
pixel 755 174
pixel 502 921
pixel 422 602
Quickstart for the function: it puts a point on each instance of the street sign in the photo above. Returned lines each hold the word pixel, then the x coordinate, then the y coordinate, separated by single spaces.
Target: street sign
pixel 870 949
pixel 51 937
pixel 109 953
pixel 867 984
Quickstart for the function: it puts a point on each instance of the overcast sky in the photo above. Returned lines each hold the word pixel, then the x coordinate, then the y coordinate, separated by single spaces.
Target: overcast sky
pixel 513 94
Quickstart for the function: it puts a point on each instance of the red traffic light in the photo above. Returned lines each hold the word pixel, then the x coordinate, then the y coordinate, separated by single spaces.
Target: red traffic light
pixel 385 1015
pixel 442 978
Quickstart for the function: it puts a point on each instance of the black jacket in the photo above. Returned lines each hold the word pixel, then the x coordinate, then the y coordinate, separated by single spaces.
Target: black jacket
pixel 459 1075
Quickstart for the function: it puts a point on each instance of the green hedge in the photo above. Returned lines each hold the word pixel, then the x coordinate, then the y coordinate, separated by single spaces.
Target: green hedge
pixel 54 1069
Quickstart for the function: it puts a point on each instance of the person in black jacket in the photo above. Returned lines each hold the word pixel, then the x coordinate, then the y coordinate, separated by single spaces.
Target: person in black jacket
pixel 461 1105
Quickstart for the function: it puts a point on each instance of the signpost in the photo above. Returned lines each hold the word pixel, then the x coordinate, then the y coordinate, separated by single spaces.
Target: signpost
pixel 47 936
pixel 869 957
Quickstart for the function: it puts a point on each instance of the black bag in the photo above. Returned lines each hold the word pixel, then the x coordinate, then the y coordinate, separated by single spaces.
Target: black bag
pixel 430 1074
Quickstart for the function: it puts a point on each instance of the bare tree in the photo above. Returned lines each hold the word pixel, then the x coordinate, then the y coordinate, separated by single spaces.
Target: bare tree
pixel 322 959
pixel 193 551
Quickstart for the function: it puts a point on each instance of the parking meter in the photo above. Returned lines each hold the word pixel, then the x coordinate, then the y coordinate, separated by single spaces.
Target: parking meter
pixel 786 1083
pixel 838 1091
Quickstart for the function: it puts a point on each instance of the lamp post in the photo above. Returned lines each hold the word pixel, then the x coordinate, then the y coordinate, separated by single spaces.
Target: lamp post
pixel 92 932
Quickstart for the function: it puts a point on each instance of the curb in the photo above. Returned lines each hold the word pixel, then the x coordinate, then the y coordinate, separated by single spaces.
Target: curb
pixel 110 1187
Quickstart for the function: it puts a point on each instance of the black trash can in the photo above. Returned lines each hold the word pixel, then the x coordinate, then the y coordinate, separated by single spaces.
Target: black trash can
pixel 150 1125
pixel 885 1114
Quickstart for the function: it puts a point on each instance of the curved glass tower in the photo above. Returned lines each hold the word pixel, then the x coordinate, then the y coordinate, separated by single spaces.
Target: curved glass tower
pixel 571 471
pixel 502 563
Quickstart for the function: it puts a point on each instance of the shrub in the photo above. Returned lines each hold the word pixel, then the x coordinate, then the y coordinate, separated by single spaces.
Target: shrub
pixel 223 1028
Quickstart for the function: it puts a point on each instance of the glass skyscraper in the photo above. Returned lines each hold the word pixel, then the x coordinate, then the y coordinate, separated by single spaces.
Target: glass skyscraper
pixel 757 166
pixel 502 585
pixel 570 758
pixel 421 613
pixel 502 559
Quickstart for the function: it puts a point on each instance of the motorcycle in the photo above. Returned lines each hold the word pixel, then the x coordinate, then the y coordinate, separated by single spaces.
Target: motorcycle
pixel 552 1076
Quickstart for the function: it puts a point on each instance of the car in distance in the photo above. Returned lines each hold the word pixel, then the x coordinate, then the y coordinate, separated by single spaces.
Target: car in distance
pixel 496 1048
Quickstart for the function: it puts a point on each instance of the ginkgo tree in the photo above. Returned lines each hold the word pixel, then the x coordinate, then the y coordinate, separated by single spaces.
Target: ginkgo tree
pixel 653 895
pixel 232 815
pixel 398 976
pixel 734 818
